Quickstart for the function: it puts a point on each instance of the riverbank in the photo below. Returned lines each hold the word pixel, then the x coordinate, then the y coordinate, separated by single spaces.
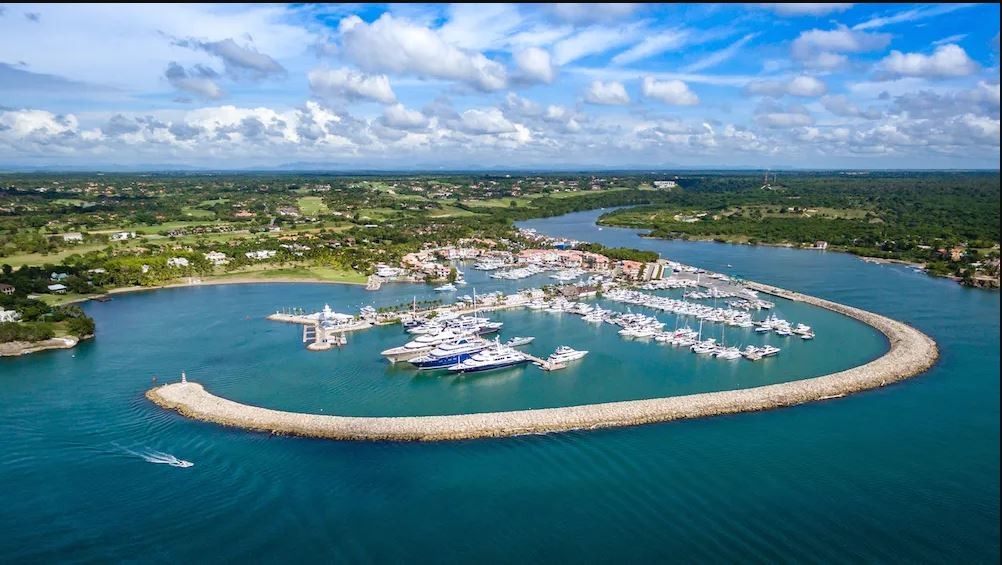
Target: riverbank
pixel 910 353
pixel 17 348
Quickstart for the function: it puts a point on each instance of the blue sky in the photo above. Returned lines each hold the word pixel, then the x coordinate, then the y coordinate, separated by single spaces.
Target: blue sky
pixel 501 85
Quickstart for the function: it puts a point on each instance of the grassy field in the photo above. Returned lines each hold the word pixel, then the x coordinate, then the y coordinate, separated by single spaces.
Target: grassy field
pixel 499 202
pixel 311 205
pixel 198 213
pixel 450 211
pixel 41 259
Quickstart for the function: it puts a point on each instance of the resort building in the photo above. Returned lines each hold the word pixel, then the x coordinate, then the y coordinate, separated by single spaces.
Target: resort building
pixel 216 258
pixel 73 237
pixel 122 235
pixel 7 289
pixel 665 184
pixel 177 262
pixel 261 255
pixel 57 288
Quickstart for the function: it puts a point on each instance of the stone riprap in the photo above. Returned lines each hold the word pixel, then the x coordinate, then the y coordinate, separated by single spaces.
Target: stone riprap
pixel 911 352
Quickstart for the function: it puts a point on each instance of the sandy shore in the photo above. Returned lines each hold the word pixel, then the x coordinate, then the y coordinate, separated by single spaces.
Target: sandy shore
pixel 911 352
pixel 15 348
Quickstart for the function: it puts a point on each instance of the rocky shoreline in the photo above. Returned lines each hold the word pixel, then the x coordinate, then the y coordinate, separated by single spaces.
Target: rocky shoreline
pixel 911 352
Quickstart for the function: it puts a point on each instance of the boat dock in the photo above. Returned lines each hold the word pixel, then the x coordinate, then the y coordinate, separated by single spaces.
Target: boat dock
pixel 543 363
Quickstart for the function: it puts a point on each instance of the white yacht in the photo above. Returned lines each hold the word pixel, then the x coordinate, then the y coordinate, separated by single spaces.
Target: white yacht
pixel 498 357
pixel 447 287
pixel 705 347
pixel 519 341
pixel 564 354
pixel 419 346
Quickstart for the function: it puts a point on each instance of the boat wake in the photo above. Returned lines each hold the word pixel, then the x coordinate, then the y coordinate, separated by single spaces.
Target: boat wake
pixel 154 456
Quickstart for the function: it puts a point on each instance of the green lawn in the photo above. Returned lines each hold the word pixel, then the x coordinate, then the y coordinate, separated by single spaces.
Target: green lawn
pixel 198 213
pixel 41 259
pixel 522 202
pixel 449 211
pixel 312 205
pixel 214 202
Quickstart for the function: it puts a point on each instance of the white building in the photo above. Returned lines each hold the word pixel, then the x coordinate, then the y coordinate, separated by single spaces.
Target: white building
pixel 665 184
pixel 9 315
pixel 73 237
pixel 177 262
pixel 123 235
pixel 261 254
pixel 217 258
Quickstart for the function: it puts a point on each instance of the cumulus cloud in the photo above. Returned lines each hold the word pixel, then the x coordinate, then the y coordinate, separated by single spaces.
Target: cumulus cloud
pixel 802 85
pixel 840 105
pixel 484 121
pixel 395 45
pixel 946 61
pixel 806 9
pixel 398 116
pixel 824 49
pixel 351 85
pixel 239 61
pixel 807 86
pixel 673 92
pixel 610 93
pixel 199 80
pixel 771 115
pixel 534 65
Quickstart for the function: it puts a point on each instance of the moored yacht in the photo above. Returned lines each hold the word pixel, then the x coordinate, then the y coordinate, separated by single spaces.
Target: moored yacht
pixel 450 353
pixel 497 357
pixel 563 354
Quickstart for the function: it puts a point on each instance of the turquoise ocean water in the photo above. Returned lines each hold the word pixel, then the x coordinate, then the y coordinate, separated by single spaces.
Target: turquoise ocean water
pixel 906 473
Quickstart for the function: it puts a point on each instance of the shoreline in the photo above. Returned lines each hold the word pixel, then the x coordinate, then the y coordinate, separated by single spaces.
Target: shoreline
pixel 210 282
pixel 910 353
pixel 18 348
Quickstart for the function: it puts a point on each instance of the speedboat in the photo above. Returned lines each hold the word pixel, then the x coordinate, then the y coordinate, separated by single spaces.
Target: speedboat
pixel 728 353
pixel 498 357
pixel 563 354
pixel 519 341
pixel 447 287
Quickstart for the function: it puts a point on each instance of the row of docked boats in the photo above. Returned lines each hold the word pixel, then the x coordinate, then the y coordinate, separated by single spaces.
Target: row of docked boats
pixel 728 316
pixel 783 328
pixel 474 354
pixel 518 273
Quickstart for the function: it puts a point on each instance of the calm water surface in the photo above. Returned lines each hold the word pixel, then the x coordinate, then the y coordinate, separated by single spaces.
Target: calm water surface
pixel 907 473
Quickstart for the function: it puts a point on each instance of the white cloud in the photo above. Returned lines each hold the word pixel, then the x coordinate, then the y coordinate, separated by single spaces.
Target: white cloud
pixel 717 57
pixel 840 105
pixel 802 85
pixel 945 62
pixel 485 121
pixel 822 49
pixel 25 123
pixel 394 45
pixel 950 39
pixel 910 16
pixel 610 93
pixel 806 86
pixel 591 13
pixel 477 26
pixel 351 85
pixel 592 40
pixel 806 9
pixel 673 92
pixel 534 65
pixel 655 44
pixel 398 116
